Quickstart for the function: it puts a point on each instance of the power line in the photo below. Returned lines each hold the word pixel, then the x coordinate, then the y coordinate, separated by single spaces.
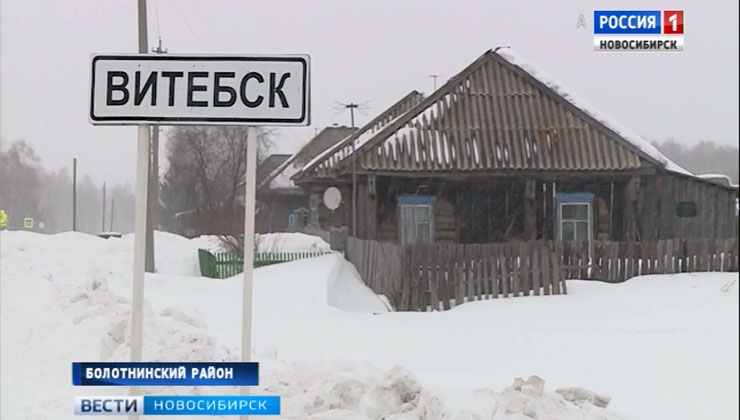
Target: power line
pixel 192 31
pixel 352 107
pixel 208 22
pixel 156 18
pixel 152 210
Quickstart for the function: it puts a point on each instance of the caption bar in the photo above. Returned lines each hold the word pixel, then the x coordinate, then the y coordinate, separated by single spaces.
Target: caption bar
pixel 165 374
pixel 174 405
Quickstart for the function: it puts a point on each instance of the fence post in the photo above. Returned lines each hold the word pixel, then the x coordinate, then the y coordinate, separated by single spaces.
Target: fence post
pixel 338 238
pixel 559 272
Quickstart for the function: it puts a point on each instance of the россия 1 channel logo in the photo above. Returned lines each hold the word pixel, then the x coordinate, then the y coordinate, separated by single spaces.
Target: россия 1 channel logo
pixel 638 30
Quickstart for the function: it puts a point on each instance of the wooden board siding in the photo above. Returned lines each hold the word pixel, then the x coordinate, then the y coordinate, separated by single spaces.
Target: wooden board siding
pixel 665 224
pixel 715 209
pixel 649 210
pixel 444 220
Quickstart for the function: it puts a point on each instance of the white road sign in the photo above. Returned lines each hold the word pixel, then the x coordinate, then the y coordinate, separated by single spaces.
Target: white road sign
pixel 200 89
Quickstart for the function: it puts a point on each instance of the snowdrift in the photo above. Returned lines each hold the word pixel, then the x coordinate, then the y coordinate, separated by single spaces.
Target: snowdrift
pixel 290 242
pixel 329 346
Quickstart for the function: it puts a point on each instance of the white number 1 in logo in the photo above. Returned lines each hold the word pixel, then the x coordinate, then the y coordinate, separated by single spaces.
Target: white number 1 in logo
pixel 673 18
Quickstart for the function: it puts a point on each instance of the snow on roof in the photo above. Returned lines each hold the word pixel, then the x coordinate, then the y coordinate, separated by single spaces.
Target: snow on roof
pixel 346 143
pixel 325 153
pixel 726 180
pixel 709 176
pixel 280 176
pixel 635 139
pixel 282 180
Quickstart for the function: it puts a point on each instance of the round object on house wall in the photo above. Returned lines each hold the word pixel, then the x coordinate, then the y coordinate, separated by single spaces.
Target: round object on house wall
pixel 332 198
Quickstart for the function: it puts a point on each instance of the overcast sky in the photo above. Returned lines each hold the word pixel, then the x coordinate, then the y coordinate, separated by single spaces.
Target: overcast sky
pixel 363 51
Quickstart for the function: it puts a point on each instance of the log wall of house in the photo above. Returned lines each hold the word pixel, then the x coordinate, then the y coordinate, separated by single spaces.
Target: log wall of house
pixel 444 220
pixel 465 212
pixel 387 209
pixel 606 208
pixel 387 212
pixel 323 216
pixel 495 210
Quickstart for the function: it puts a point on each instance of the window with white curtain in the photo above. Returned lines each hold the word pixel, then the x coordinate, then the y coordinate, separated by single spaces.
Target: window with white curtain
pixel 575 221
pixel 416 223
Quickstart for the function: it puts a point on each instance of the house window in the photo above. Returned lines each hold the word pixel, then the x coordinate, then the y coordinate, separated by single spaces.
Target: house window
pixel 686 209
pixel 575 221
pixel 416 219
pixel 575 217
pixel 298 218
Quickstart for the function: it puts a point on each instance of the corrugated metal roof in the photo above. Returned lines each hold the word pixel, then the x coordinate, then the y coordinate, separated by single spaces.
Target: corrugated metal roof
pixel 323 163
pixel 290 164
pixel 270 164
pixel 492 116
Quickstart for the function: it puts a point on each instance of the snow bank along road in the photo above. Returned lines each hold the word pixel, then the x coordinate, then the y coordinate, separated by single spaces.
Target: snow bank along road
pixel 660 346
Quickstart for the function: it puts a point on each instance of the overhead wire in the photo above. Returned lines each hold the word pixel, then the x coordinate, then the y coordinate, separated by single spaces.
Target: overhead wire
pixel 192 31
pixel 156 18
pixel 208 22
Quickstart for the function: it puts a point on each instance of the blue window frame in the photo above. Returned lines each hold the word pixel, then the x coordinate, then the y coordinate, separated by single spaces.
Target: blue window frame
pixel 416 219
pixel 574 220
pixel 574 216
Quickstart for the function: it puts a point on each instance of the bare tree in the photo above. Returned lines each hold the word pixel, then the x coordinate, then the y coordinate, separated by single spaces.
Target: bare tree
pixel 704 157
pixel 20 173
pixel 206 166
pixel 27 190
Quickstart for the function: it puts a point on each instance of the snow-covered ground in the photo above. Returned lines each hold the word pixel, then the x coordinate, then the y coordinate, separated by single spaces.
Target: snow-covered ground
pixel 662 347
pixel 290 242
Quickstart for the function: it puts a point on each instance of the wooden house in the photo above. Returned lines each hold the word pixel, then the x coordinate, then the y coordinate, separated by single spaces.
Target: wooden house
pixel 502 152
pixel 284 207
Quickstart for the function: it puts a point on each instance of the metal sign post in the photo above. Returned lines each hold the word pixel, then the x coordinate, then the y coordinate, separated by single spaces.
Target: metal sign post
pixel 142 180
pixel 249 206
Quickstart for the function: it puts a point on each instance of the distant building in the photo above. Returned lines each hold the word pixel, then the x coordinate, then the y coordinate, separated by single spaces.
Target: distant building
pixel 284 206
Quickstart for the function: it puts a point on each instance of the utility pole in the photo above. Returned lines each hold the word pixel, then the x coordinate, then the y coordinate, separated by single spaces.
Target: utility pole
pixel 112 207
pixel 103 229
pixel 352 106
pixel 74 195
pixel 152 210
pixel 434 77
pixel 140 222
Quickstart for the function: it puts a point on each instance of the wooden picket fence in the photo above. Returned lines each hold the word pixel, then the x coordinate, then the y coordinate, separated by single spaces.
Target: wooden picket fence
pixel 223 265
pixel 440 276
pixel 613 261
